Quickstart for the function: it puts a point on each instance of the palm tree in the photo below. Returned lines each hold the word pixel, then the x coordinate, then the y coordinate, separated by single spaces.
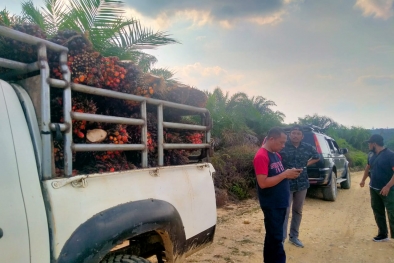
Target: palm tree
pixel 323 122
pixel 6 19
pixel 239 117
pixel 102 22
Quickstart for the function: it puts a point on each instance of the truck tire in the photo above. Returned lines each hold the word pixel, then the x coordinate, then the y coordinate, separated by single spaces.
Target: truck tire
pixel 124 259
pixel 330 192
pixel 346 184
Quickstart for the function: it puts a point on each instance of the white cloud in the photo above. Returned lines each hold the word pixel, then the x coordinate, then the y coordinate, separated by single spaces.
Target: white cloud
pixel 377 8
pixel 271 19
pixel 209 77
pixel 224 13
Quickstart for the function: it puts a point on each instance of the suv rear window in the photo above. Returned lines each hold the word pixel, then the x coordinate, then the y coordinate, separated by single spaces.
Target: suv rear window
pixel 308 138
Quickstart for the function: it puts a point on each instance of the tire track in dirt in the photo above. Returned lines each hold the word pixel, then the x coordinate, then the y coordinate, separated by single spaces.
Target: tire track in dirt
pixel 339 231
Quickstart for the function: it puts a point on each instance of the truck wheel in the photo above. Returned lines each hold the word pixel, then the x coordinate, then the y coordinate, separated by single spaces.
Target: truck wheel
pixel 124 259
pixel 330 193
pixel 346 184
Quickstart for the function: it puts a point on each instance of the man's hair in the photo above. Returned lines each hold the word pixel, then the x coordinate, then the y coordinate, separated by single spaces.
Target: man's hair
pixel 296 127
pixel 275 132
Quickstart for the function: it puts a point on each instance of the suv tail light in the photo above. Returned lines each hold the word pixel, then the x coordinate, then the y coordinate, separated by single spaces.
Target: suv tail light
pixel 318 148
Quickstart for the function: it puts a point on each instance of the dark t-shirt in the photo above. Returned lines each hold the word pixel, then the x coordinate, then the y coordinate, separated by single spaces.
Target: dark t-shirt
pixel 381 168
pixel 268 163
pixel 297 157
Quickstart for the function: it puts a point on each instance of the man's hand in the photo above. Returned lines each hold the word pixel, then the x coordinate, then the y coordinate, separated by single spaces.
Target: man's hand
pixel 292 173
pixel 362 183
pixel 385 190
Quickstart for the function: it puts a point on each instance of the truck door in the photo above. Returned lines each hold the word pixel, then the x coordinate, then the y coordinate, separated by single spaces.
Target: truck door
pixel 14 235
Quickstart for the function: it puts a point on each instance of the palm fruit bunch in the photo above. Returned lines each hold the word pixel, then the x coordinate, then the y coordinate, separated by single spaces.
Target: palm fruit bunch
pixel 80 103
pixel 102 162
pixel 129 83
pixel 118 135
pixel 186 95
pixel 195 137
pixel 112 74
pixel 175 157
pixel 16 50
pixel 111 161
pixel 85 68
pixel 75 42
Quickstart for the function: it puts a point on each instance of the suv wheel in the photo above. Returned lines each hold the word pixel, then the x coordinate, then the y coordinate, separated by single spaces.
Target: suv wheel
pixel 330 192
pixel 346 184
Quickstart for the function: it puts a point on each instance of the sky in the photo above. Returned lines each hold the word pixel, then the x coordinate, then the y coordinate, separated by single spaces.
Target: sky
pixel 333 58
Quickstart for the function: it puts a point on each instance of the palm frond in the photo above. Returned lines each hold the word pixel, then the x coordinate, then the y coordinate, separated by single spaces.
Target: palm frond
pixel 5 18
pixel 134 34
pixel 54 12
pixel 33 15
pixel 163 72
pixel 145 61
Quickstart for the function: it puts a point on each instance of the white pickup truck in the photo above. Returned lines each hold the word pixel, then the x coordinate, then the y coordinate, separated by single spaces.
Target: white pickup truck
pixel 128 216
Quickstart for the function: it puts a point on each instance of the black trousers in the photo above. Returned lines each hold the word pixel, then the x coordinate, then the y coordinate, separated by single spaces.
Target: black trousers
pixel 380 204
pixel 273 245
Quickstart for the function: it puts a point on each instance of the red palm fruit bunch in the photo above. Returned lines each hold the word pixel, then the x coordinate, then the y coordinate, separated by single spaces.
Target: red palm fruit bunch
pixel 112 73
pixel 85 69
pixel 175 157
pixel 110 161
pixel 132 77
pixel 150 142
pixel 118 135
pixel 83 105
pixel 140 91
pixel 195 138
pixel 76 44
pixel 80 103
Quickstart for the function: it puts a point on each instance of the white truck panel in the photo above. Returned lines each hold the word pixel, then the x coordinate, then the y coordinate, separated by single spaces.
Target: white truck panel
pixel 186 187
pixel 14 245
pixel 28 176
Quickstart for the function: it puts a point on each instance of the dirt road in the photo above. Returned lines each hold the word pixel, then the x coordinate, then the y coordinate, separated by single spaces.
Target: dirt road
pixel 339 231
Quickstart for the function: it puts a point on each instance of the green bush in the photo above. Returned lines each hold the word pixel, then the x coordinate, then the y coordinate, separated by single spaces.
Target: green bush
pixel 240 191
pixel 357 159
pixel 234 169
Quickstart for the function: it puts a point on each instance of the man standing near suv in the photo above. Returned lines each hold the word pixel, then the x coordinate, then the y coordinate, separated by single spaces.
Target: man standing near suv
pixel 273 192
pixel 297 154
pixel 381 168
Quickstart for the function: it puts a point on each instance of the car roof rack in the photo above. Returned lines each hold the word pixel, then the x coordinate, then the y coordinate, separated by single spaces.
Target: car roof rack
pixel 307 127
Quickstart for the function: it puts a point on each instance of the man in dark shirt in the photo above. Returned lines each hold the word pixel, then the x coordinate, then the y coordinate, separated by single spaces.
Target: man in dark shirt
pixel 381 168
pixel 273 192
pixel 297 154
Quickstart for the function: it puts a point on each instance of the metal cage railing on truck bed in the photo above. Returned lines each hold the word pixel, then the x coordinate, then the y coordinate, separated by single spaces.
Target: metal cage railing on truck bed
pixel 46 127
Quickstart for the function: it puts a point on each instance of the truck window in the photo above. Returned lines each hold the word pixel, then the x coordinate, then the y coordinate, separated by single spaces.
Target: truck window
pixel 335 145
pixel 331 145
